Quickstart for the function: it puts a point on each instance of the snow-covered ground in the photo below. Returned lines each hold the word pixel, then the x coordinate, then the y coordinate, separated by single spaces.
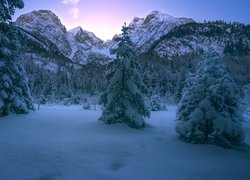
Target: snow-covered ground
pixel 69 143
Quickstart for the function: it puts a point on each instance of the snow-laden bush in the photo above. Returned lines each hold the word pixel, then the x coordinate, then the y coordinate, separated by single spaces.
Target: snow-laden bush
pixel 86 106
pixel 155 103
pixel 209 109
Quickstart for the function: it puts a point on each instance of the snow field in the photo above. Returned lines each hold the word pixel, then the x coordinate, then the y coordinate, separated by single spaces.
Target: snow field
pixel 69 143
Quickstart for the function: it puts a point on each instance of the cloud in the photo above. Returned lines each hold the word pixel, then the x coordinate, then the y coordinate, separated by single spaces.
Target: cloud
pixel 72 2
pixel 74 12
pixel 73 8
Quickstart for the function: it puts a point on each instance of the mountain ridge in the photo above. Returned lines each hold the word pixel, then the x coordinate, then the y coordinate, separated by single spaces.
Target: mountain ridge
pixel 79 44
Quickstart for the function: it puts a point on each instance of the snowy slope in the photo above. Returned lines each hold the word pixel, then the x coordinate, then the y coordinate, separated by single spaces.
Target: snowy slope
pixel 69 143
pixel 203 37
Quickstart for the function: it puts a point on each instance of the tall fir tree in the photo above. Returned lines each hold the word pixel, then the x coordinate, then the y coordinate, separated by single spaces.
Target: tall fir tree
pixel 14 91
pixel 209 110
pixel 123 100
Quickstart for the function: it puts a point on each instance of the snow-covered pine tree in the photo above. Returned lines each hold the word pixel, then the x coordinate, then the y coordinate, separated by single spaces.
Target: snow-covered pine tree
pixel 7 9
pixel 14 91
pixel 124 101
pixel 209 109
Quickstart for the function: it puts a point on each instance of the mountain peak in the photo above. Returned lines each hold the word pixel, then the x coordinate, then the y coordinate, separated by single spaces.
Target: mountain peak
pixel 83 36
pixel 158 13
pixel 40 19
pixel 44 11
pixel 76 30
pixel 158 16
pixel 145 31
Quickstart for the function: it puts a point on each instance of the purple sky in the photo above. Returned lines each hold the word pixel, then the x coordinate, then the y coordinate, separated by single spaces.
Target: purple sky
pixel 105 17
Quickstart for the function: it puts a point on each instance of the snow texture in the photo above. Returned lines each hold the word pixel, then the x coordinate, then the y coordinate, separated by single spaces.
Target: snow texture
pixel 62 143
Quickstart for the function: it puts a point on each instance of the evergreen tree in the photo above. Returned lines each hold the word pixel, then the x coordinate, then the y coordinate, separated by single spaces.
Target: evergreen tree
pixel 209 109
pixel 124 101
pixel 7 9
pixel 14 91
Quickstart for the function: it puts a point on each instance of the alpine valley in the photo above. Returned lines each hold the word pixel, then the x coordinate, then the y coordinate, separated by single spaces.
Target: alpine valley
pixel 69 66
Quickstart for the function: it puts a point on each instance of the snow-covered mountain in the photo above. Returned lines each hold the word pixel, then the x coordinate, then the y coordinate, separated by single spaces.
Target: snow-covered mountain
pixel 85 37
pixel 76 44
pixel 82 46
pixel 47 24
pixel 145 31
pixel 87 47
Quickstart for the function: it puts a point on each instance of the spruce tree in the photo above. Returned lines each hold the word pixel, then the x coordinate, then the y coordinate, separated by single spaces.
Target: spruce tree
pixel 14 91
pixel 123 100
pixel 209 110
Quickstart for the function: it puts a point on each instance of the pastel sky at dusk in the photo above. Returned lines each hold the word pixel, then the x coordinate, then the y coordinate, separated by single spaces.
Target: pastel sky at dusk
pixel 105 17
